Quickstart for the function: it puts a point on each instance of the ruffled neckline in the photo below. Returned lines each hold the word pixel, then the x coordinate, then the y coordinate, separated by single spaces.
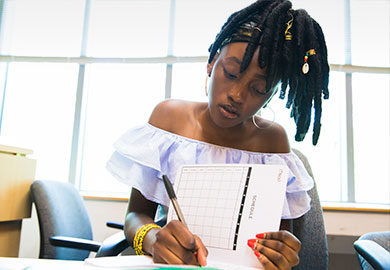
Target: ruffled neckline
pixel 190 140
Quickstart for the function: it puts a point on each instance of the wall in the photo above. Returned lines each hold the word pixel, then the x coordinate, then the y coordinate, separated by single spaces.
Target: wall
pixel 343 228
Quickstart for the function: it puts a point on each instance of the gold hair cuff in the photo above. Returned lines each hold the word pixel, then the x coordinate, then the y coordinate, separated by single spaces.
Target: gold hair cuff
pixel 140 236
pixel 287 33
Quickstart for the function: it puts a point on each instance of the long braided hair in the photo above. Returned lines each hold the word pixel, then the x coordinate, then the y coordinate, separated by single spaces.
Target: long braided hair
pixel 290 42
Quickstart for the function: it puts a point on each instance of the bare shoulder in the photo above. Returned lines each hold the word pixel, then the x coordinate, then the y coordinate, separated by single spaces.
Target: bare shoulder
pixel 170 113
pixel 273 139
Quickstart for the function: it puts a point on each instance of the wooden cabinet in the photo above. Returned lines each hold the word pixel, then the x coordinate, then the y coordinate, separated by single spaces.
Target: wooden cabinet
pixel 17 172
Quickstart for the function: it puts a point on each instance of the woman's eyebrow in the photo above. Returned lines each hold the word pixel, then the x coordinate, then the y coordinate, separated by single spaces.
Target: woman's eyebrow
pixel 234 59
pixel 238 61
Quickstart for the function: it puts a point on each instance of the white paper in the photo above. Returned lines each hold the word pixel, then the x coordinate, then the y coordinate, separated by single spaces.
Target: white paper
pixel 220 200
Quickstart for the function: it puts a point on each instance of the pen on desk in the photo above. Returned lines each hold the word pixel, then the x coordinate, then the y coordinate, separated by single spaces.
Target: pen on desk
pixel 172 197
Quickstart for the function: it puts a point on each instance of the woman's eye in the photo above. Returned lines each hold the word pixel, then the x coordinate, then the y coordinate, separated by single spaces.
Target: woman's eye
pixel 259 89
pixel 229 75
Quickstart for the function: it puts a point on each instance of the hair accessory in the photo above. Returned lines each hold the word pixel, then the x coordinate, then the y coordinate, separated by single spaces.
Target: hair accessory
pixel 305 67
pixel 206 86
pixel 140 236
pixel 257 28
pixel 242 34
pixel 287 33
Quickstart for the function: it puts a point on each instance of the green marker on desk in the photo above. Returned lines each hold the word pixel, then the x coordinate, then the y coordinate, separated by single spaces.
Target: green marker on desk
pixel 179 268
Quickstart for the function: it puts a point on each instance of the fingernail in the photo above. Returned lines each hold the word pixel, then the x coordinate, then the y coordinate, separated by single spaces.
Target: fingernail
pixel 251 243
pixel 260 235
pixel 258 255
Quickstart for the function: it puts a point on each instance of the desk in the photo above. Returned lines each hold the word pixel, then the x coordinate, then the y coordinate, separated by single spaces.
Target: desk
pixel 16 175
pixel 8 263
pixel 117 263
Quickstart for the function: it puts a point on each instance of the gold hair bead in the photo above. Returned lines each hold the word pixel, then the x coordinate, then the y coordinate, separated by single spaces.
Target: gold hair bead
pixel 305 67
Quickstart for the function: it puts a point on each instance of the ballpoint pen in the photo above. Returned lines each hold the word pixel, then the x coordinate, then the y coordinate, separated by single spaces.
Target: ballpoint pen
pixel 172 197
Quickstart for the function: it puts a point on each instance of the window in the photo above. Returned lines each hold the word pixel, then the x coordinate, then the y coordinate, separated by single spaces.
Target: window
pixel 75 75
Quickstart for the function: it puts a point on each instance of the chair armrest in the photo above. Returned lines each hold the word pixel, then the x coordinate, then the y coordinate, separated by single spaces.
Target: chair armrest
pixel 374 254
pixel 114 225
pixel 113 245
pixel 72 242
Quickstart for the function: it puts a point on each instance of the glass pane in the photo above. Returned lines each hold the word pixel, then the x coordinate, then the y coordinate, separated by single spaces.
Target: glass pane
pixel 119 97
pixel 330 14
pixel 42 27
pixel 136 28
pixel 327 157
pixel 197 23
pixel 39 112
pixel 3 82
pixel 371 137
pixel 188 81
pixel 370 27
pixel 193 36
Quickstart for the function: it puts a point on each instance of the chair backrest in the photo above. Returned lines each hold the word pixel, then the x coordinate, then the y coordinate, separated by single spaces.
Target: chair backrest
pixel 310 230
pixel 61 211
pixel 380 238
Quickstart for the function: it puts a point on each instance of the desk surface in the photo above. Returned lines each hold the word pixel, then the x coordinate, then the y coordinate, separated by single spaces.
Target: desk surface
pixel 7 263
pixel 106 263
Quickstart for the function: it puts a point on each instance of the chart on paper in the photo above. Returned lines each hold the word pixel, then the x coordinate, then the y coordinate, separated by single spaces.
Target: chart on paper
pixel 212 200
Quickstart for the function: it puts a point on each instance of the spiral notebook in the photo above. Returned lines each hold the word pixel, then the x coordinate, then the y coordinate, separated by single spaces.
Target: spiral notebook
pixel 227 204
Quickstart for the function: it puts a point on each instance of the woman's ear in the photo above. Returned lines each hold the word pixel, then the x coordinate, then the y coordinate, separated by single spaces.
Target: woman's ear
pixel 211 65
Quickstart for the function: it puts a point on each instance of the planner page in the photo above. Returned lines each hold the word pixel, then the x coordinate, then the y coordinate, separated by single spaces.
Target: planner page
pixel 227 204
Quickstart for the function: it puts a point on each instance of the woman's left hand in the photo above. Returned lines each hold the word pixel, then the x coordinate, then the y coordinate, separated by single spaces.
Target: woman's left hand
pixel 276 250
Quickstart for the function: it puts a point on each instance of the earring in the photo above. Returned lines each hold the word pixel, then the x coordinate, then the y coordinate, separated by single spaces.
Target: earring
pixel 206 86
pixel 259 114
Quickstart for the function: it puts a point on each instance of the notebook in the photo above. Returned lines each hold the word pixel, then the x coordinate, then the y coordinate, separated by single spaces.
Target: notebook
pixel 227 204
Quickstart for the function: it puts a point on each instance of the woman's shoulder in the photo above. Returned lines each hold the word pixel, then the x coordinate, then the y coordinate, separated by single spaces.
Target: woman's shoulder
pixel 173 113
pixel 272 138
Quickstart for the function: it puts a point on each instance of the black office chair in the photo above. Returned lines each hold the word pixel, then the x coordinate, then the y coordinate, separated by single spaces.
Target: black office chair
pixel 64 224
pixel 373 250
pixel 310 230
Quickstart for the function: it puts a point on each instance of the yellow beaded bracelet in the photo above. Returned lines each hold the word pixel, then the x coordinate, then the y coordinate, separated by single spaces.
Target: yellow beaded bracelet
pixel 140 235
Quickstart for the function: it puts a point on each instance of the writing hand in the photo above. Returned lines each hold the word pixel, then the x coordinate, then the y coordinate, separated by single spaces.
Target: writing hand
pixel 276 250
pixel 175 244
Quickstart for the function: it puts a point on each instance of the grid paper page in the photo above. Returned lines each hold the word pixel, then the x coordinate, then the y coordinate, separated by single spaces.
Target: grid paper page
pixel 211 199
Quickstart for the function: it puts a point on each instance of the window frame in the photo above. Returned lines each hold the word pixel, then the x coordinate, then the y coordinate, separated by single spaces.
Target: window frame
pixel 347 187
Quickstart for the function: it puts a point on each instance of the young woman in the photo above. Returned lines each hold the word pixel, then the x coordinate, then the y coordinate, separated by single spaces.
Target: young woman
pixel 258 47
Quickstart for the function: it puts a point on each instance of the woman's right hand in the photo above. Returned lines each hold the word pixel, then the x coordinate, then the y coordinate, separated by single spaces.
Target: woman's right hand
pixel 175 244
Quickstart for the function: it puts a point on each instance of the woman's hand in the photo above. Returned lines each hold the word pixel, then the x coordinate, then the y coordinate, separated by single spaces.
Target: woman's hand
pixel 175 244
pixel 276 250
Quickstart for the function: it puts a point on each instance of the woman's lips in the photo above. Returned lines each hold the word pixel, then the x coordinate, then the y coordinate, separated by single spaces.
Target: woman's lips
pixel 228 111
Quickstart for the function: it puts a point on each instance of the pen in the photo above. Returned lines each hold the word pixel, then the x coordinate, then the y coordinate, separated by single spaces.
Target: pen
pixel 172 197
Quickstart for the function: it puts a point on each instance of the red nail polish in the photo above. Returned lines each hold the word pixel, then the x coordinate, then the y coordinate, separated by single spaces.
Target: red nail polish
pixel 258 255
pixel 251 243
pixel 260 235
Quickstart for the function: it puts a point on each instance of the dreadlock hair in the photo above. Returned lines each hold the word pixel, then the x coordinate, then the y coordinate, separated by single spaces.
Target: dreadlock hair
pixel 284 57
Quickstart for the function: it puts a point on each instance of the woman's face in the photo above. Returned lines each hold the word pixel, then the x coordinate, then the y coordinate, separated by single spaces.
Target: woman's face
pixel 233 96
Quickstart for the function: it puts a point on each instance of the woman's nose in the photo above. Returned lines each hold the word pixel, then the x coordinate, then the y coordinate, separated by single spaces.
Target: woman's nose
pixel 236 94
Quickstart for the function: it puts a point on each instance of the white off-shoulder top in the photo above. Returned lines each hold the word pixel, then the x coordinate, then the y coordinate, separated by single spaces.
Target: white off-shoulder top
pixel 144 153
